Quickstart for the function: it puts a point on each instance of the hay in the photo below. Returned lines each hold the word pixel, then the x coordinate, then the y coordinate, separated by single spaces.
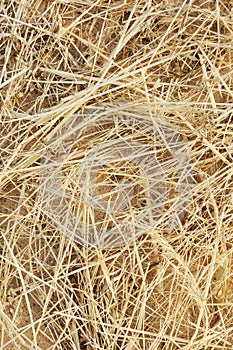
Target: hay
pixel 110 172
pixel 162 290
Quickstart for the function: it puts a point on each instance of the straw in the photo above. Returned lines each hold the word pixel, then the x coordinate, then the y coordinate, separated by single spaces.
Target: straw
pixel 116 161
pixel 169 64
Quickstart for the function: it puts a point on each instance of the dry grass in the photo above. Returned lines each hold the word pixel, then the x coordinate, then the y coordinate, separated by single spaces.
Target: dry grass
pixel 162 291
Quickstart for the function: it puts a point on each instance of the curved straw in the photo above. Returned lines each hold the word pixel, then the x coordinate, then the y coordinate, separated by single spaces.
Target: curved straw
pixel 119 137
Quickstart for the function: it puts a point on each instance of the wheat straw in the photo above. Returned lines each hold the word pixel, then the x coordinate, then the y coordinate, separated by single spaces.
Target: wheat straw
pixel 159 290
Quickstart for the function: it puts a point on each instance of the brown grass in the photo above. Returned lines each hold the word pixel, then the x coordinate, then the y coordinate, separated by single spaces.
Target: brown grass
pixel 161 291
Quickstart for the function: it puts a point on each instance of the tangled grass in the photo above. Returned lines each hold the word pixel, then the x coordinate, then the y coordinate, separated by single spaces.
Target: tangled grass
pixel 161 291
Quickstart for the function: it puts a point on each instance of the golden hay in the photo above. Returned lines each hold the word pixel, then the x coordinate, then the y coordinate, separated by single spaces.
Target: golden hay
pixel 162 291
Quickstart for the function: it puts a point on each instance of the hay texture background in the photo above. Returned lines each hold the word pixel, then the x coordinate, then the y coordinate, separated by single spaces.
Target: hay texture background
pixel 162 291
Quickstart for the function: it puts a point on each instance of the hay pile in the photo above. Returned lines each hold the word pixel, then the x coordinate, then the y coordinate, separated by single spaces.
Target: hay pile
pixel 161 291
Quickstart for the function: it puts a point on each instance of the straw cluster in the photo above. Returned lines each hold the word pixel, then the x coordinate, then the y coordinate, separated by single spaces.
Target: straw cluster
pixel 110 172
pixel 116 132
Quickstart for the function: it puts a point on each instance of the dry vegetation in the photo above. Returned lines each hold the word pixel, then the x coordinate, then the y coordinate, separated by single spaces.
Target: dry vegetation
pixel 162 291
